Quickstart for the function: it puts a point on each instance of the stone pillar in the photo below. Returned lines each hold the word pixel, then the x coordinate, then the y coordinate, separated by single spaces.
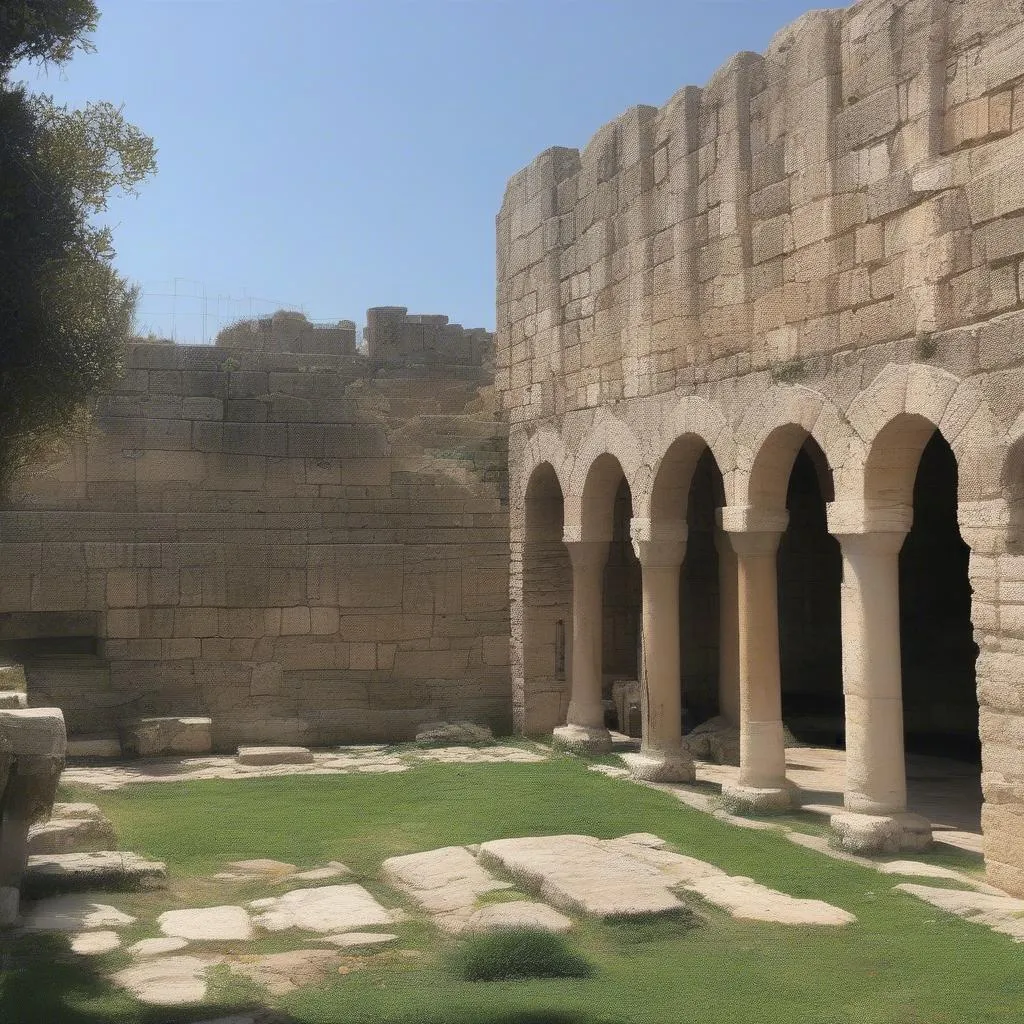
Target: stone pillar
pixel 728 630
pixel 662 757
pixel 33 743
pixel 754 535
pixel 876 780
pixel 585 728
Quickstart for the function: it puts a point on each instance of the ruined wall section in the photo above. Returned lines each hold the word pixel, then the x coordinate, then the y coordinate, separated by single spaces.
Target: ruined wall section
pixel 304 549
pixel 287 331
pixel 858 183
pixel 394 337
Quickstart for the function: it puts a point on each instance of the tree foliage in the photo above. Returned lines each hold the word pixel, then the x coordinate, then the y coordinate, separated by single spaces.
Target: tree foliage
pixel 65 313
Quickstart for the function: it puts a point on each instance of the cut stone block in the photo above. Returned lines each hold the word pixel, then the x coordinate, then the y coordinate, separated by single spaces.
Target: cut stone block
pixel 76 810
pixel 330 908
pixel 518 914
pixel 453 733
pixel 94 943
pixel 167 981
pixel 10 699
pixel 102 869
pixel 157 737
pixel 274 755
pixel 94 746
pixel 873 834
pixel 12 677
pixel 207 924
pixel 73 914
pixel 71 835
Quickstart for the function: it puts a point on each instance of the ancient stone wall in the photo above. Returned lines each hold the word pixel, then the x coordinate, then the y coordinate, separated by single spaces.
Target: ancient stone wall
pixel 823 242
pixel 289 332
pixel 304 548
pixel 396 338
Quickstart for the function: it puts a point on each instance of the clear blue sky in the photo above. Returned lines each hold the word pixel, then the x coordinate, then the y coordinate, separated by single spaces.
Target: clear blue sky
pixel 332 156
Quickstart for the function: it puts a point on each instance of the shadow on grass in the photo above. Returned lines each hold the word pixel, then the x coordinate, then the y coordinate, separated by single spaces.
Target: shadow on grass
pixel 41 982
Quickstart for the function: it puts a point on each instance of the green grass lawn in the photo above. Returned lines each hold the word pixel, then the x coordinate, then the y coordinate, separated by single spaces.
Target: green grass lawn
pixel 903 962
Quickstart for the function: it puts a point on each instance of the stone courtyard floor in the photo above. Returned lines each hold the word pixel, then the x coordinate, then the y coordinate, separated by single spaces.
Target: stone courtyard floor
pixel 275 929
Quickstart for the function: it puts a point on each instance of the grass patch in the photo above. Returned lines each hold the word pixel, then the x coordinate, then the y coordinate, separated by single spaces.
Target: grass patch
pixel 516 953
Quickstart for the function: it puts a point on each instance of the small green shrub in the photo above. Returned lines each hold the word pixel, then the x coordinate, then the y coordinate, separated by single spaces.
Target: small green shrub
pixel 518 953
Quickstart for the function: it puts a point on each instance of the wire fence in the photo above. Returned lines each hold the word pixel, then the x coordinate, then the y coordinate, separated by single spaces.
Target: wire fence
pixel 189 313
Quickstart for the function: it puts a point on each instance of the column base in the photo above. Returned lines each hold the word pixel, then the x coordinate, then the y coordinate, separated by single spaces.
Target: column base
pixel 874 834
pixel 582 739
pixel 756 799
pixel 659 766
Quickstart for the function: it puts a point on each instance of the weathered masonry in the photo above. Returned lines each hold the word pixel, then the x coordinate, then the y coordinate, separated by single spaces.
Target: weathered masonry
pixel 302 542
pixel 762 353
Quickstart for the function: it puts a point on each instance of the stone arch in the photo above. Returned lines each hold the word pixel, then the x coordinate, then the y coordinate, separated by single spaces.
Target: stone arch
pixel 772 432
pixel 610 451
pixel 689 428
pixel 895 418
pixel 543 503
pixel 545 446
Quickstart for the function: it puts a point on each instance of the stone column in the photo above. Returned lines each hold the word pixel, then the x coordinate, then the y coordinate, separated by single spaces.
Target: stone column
pixel 754 535
pixel 33 743
pixel 662 757
pixel 728 630
pixel 584 728
pixel 876 780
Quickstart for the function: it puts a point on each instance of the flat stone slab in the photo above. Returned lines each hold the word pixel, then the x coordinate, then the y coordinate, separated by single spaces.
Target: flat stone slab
pixel 101 869
pixel 73 914
pixel 333 869
pixel 481 755
pixel 602 878
pixel 94 746
pixel 453 733
pixel 329 908
pixel 518 914
pixel 94 943
pixel 282 973
pixel 1003 914
pixel 76 810
pixel 13 699
pixel 168 981
pixel 249 870
pixel 71 835
pixel 157 737
pixel 748 900
pixel 348 940
pixel 274 755
pixel 157 947
pixel 445 882
pixel 207 924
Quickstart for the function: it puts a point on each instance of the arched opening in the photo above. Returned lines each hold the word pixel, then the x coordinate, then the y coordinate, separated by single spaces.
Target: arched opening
pixel 810 628
pixel 547 605
pixel 700 596
pixel 938 652
pixel 621 604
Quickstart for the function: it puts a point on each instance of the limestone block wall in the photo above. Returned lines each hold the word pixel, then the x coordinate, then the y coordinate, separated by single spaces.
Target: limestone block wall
pixel 823 242
pixel 396 337
pixel 301 547
pixel 289 332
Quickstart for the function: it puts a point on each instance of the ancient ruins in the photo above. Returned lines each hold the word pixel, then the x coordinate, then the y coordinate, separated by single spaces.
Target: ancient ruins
pixel 748 446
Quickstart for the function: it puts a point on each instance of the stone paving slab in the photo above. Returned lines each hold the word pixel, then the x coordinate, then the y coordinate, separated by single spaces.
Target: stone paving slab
pixel 282 973
pixel 445 882
pixel 95 943
pixel 157 947
pixel 100 869
pixel 274 755
pixel 329 908
pixel 518 914
pixel 207 924
pixel 167 981
pixel 748 900
pixel 348 940
pixel 1002 913
pixel 75 913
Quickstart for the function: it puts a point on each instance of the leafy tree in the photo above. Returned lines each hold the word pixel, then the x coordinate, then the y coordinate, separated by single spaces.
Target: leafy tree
pixel 65 313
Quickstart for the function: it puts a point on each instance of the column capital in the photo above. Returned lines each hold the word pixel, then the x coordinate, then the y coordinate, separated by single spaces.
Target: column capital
pixel 847 518
pixel 587 554
pixel 735 519
pixel 659 545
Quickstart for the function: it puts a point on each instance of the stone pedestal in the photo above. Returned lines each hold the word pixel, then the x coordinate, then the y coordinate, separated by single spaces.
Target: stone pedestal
pixel 874 834
pixel 755 535
pixel 662 755
pixel 585 728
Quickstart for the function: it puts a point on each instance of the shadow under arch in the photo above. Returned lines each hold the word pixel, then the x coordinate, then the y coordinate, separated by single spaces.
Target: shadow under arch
pixel 772 467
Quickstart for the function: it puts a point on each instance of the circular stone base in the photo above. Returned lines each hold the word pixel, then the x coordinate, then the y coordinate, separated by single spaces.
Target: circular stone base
pixel 874 834
pixel 747 799
pixel 583 739
pixel 657 767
